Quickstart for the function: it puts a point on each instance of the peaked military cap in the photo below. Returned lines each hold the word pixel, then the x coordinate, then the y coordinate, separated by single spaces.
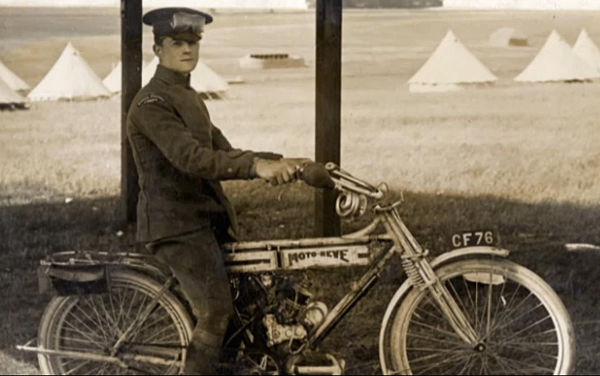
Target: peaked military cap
pixel 169 21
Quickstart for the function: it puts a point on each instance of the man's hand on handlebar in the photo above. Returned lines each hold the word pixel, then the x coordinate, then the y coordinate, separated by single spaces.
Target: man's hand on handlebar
pixel 280 171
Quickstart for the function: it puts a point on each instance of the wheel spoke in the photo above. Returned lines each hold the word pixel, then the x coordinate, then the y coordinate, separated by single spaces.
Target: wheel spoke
pixel 433 365
pixel 141 306
pixel 439 318
pixel 458 299
pixel 149 324
pixel 66 361
pixel 513 319
pixel 86 335
pixel 89 318
pixel 484 367
pixel 438 330
pixel 468 290
pixel 110 319
pixel 505 365
pixel 121 315
pixel 145 334
pixel 525 348
pixel 157 334
pixel 436 349
pixel 526 367
pixel 89 331
pixel 464 367
pixel 490 287
pixel 472 366
pixel 74 370
pixel 518 318
pixel 103 318
pixel 102 370
pixel 131 301
pixel 476 314
pixel 527 328
pixel 458 343
pixel 509 304
pixel 424 312
pixel 68 339
pixel 502 302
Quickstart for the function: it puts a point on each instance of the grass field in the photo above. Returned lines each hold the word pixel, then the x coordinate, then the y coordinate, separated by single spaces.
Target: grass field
pixel 520 158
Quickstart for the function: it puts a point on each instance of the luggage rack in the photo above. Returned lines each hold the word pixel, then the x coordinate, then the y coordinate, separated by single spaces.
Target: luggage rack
pixel 139 261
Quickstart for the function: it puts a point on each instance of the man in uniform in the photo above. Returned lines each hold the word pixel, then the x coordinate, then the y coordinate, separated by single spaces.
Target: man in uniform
pixel 180 156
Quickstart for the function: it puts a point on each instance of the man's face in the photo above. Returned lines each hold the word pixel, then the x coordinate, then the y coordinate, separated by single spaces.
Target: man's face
pixel 178 53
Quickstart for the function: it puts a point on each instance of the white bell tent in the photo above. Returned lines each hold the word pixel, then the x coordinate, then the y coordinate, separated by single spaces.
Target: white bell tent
pixel 557 62
pixel 203 79
pixel 9 99
pixel 113 80
pixel 508 36
pixel 587 50
pixel 148 71
pixel 450 67
pixel 207 82
pixel 70 78
pixel 12 80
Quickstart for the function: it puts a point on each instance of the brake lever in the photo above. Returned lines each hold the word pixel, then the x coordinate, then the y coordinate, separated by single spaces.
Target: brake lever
pixel 351 183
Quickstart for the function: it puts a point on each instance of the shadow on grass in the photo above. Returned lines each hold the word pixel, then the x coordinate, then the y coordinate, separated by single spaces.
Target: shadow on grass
pixel 534 232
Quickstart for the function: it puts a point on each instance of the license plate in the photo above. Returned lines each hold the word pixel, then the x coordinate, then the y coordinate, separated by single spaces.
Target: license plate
pixel 474 238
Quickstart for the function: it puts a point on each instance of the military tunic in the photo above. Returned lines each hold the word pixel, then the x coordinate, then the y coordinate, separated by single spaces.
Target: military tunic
pixel 180 157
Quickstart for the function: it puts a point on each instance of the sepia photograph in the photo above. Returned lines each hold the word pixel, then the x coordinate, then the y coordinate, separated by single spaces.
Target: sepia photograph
pixel 291 187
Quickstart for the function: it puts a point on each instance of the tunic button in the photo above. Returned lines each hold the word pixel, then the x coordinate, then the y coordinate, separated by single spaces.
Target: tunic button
pixel 230 170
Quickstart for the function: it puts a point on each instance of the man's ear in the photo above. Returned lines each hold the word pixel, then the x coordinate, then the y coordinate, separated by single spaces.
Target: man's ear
pixel 157 49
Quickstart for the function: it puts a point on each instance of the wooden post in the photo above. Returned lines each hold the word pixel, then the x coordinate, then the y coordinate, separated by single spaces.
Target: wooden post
pixel 328 107
pixel 131 79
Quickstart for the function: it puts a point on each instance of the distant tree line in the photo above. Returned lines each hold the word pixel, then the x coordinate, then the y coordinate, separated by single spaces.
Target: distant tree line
pixel 385 3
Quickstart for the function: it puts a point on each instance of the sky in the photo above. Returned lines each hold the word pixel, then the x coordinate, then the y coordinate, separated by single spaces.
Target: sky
pixel 269 4
pixel 301 4
pixel 523 4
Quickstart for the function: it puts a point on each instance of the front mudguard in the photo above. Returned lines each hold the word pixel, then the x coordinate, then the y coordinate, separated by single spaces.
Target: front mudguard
pixel 443 259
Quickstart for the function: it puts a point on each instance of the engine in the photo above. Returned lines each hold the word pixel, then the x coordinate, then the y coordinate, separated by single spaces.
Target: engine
pixel 282 309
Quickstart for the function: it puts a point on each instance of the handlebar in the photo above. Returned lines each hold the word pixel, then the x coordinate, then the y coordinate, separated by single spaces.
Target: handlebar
pixel 331 176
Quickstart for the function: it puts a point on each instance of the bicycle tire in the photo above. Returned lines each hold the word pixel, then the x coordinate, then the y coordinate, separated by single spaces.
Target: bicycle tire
pixel 93 323
pixel 530 331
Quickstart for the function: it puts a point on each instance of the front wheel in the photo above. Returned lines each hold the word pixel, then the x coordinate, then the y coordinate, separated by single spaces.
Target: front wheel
pixel 521 324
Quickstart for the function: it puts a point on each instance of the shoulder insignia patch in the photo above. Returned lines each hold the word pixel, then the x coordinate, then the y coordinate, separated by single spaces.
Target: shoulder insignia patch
pixel 150 98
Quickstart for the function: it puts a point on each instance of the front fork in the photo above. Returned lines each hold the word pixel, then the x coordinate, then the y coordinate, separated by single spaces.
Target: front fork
pixel 447 304
pixel 421 274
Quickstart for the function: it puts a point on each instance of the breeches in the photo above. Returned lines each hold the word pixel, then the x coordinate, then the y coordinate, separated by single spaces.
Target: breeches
pixel 197 262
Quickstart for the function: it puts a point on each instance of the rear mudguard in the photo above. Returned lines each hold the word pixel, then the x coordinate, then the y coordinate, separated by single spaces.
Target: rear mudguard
pixel 443 259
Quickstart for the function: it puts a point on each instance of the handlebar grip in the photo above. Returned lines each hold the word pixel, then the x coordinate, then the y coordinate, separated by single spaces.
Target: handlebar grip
pixel 316 175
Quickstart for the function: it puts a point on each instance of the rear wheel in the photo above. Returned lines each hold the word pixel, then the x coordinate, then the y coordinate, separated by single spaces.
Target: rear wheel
pixel 522 326
pixel 92 324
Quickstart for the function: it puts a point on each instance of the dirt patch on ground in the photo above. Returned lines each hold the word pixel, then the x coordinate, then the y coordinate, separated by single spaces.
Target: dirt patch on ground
pixel 10 366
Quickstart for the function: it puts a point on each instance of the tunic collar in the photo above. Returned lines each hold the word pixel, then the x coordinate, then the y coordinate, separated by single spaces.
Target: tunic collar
pixel 171 77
